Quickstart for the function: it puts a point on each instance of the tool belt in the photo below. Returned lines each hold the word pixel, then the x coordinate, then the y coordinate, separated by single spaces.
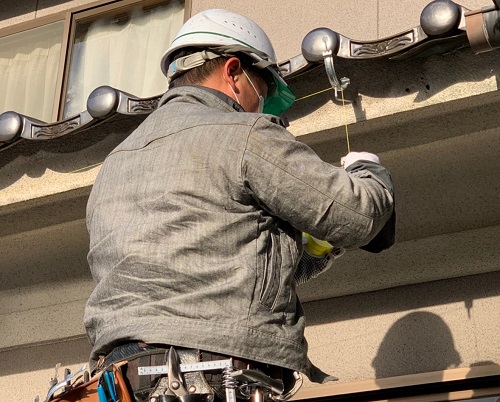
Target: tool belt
pixel 152 373
pixel 108 385
pixel 158 373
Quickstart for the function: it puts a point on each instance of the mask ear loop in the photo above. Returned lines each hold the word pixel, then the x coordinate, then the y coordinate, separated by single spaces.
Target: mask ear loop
pixel 261 98
pixel 234 93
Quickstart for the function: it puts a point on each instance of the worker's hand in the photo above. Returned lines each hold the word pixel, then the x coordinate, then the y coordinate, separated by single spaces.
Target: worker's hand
pixel 352 157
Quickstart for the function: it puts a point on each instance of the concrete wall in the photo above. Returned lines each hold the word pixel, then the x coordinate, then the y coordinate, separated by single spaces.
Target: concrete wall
pixel 23 11
pixel 288 22
pixel 430 303
pixel 407 330
pixel 372 335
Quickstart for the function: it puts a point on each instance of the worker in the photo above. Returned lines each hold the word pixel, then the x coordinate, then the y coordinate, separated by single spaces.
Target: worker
pixel 196 219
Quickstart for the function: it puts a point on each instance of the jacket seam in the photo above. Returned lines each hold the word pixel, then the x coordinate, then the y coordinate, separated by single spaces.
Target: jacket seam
pixel 333 200
pixel 169 134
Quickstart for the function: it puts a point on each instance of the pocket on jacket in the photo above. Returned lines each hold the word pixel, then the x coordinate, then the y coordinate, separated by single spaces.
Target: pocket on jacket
pixel 272 270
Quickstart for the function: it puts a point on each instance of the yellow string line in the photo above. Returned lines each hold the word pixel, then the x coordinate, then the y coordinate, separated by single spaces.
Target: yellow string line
pixel 343 110
pixel 314 94
pixel 86 167
pixel 345 122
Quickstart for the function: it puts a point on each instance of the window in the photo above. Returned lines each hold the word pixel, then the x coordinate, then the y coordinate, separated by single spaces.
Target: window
pixel 50 66
pixel 121 48
pixel 29 62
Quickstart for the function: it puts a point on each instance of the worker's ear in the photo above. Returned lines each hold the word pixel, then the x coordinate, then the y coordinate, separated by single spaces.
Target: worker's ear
pixel 232 72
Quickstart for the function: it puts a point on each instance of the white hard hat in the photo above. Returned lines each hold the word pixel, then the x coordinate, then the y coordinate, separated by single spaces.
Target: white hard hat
pixel 213 28
pixel 223 32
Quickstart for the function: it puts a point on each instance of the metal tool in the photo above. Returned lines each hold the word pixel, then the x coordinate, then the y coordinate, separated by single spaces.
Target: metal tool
pixel 258 378
pixel 65 382
pixel 175 382
pixel 231 377
pixel 229 383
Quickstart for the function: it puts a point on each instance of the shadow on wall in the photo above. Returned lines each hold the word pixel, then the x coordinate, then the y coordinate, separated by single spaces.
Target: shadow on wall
pixel 66 154
pixel 425 77
pixel 39 357
pixel 417 343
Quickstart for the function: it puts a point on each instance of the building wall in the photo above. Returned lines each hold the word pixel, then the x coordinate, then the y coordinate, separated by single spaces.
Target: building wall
pixel 428 304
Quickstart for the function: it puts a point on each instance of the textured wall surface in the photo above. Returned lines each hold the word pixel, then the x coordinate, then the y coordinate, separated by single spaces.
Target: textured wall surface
pixel 430 303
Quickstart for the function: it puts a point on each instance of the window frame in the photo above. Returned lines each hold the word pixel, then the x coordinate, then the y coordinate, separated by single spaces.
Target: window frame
pixel 70 17
pixel 38 23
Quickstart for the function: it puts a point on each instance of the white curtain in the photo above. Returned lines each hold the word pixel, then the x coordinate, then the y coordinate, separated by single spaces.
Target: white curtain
pixel 29 63
pixel 124 56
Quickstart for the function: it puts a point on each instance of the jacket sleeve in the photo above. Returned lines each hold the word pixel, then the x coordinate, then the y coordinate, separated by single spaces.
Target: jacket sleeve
pixel 386 236
pixel 288 179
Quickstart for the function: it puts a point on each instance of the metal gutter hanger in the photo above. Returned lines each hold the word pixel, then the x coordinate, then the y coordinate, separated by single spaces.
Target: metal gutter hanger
pixel 322 44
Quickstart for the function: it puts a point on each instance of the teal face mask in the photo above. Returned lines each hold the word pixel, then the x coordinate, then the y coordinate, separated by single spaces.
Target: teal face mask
pixel 279 98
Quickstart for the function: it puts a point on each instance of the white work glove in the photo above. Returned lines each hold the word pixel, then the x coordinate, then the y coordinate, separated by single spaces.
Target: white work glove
pixel 318 257
pixel 352 157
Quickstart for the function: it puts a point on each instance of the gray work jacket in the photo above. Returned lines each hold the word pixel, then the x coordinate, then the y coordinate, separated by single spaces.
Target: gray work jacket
pixel 195 225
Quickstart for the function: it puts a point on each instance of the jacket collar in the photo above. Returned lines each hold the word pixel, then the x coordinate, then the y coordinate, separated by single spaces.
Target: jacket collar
pixel 208 96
